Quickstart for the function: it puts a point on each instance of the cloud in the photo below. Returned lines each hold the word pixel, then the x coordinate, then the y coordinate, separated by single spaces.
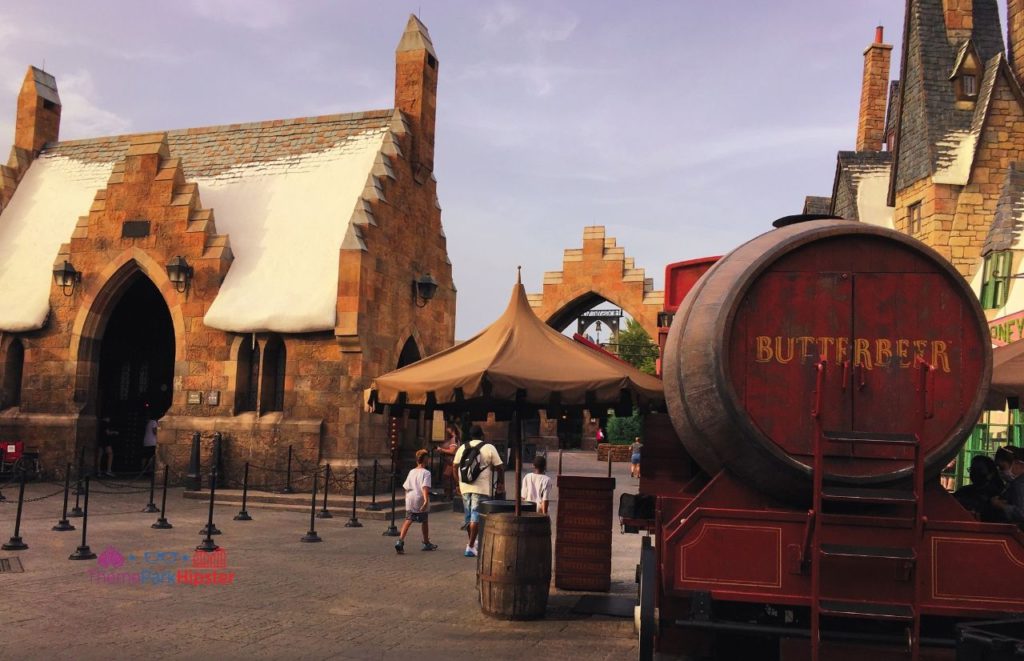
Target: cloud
pixel 259 15
pixel 500 17
pixel 81 116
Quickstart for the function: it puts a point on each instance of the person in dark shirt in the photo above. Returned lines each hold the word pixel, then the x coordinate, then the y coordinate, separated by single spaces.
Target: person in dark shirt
pixel 1010 462
pixel 976 497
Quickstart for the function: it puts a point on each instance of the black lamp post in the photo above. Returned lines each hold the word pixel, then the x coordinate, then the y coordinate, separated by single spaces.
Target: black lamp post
pixel 66 277
pixel 423 289
pixel 180 273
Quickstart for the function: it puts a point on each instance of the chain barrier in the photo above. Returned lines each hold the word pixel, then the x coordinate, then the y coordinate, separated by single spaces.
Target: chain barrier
pixel 32 500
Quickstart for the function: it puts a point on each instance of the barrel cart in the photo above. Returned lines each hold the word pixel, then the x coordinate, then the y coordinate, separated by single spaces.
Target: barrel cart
pixel 818 379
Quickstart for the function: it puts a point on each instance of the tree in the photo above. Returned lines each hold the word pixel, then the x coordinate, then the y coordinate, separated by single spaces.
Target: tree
pixel 636 347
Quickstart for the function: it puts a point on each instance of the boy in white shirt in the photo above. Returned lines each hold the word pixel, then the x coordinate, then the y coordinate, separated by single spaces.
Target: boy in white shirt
pixel 536 486
pixel 417 503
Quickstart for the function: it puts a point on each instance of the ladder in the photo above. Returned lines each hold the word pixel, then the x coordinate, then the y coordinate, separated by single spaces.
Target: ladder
pixel 888 503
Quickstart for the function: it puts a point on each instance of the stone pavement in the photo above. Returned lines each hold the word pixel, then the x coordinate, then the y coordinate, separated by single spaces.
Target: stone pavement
pixel 349 597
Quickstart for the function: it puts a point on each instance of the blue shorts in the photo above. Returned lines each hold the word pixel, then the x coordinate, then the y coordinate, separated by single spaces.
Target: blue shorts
pixel 471 501
pixel 416 517
pixel 635 459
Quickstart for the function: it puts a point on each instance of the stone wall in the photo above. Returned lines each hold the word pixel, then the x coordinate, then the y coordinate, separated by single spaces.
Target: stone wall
pixel 620 453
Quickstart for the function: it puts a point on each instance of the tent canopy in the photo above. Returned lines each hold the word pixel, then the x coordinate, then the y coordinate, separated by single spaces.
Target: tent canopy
pixel 1007 374
pixel 517 362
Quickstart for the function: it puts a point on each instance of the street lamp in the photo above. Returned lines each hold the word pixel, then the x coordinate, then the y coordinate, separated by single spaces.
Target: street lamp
pixel 423 288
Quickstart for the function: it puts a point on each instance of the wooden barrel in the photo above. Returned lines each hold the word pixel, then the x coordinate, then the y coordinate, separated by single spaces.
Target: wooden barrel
pixel 866 327
pixel 514 567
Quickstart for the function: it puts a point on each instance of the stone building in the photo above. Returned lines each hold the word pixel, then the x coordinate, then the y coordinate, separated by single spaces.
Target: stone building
pixel 940 152
pixel 248 279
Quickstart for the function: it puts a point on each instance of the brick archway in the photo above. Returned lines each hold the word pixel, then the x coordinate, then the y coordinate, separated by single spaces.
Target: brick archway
pixel 599 271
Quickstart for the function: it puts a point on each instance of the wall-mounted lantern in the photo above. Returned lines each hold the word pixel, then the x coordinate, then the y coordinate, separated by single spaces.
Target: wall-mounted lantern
pixel 423 289
pixel 66 277
pixel 179 273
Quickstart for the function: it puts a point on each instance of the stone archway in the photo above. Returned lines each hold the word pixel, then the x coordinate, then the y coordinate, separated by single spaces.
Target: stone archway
pixel 599 271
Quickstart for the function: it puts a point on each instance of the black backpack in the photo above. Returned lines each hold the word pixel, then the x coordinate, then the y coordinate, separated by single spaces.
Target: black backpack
pixel 471 465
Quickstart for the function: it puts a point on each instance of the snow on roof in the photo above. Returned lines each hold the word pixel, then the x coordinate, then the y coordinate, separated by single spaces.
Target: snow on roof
pixel 872 192
pixel 286 220
pixel 955 155
pixel 41 216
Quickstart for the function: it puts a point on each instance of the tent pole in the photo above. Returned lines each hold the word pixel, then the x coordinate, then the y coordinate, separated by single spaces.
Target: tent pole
pixel 517 436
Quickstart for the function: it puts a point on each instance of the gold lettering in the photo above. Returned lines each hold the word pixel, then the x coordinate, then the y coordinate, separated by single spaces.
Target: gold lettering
pixel 764 349
pixel 939 356
pixel 778 349
pixel 823 344
pixel 805 341
pixel 862 353
pixel 920 348
pixel 883 352
pixel 902 350
pixel 842 344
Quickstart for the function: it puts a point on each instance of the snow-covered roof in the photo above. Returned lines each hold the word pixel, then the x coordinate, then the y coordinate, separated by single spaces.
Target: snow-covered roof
pixel 40 217
pixel 284 191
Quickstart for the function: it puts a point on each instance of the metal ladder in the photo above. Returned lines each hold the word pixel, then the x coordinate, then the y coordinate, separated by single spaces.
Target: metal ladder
pixel 890 502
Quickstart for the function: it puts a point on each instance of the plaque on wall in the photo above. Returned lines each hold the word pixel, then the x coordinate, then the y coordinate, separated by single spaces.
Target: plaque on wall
pixel 213 398
pixel 133 229
pixel 195 397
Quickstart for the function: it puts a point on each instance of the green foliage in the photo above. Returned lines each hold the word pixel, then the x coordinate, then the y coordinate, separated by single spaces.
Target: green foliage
pixel 622 431
pixel 636 347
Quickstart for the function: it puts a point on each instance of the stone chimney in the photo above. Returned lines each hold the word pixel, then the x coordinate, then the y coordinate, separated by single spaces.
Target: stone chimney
pixel 873 92
pixel 38 118
pixel 959 16
pixel 1015 35
pixel 416 93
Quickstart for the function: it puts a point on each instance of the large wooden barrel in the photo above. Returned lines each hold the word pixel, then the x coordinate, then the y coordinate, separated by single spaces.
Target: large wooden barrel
pixel 515 566
pixel 866 325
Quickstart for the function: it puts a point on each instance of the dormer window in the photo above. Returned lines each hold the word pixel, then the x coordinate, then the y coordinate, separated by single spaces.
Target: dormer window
pixel 966 70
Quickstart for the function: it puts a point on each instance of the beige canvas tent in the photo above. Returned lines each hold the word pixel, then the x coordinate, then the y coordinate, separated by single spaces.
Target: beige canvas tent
pixel 517 363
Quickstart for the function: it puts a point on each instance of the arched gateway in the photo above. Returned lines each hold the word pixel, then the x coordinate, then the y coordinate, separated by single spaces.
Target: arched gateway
pixel 599 271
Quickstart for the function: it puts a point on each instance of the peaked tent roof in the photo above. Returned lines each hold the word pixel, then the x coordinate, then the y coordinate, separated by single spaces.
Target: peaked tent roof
pixel 517 359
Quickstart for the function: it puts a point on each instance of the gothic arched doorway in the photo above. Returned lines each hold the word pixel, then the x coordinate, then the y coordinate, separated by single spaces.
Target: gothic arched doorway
pixel 136 369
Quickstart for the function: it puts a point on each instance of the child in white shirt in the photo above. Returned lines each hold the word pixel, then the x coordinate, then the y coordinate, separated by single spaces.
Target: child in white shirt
pixel 536 487
pixel 417 503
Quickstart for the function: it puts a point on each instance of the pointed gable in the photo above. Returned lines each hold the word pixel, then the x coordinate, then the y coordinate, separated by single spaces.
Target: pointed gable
pixel 928 112
pixel 859 190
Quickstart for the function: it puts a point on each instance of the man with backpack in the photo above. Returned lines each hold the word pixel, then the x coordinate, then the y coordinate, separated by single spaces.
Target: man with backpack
pixel 475 460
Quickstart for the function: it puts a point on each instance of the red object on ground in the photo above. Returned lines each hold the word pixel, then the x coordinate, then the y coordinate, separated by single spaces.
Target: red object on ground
pixel 12 451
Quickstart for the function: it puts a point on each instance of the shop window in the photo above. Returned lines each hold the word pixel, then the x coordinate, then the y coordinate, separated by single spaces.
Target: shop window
pixel 14 365
pixel 914 219
pixel 247 377
pixel 996 279
pixel 272 389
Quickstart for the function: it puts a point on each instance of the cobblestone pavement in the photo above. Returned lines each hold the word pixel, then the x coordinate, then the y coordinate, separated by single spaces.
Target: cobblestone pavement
pixel 350 597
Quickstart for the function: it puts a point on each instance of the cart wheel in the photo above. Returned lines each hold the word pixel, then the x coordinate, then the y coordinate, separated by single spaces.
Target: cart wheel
pixel 647 572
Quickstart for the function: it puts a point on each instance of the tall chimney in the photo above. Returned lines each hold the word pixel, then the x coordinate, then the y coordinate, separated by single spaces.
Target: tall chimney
pixel 38 118
pixel 1015 35
pixel 959 15
pixel 873 91
pixel 416 93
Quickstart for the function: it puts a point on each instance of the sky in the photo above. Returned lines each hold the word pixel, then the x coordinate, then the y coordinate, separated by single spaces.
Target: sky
pixel 683 127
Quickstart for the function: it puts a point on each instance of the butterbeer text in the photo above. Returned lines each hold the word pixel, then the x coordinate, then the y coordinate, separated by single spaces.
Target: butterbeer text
pixel 869 353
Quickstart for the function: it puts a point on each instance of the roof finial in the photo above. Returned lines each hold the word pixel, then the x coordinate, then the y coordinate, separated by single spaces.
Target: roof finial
pixel 519 275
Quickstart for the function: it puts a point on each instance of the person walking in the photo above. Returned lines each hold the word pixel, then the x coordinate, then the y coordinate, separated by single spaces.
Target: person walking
pixel 476 461
pixel 536 487
pixel 634 457
pixel 417 503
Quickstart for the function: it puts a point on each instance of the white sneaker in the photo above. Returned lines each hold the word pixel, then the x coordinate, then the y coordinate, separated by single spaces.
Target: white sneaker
pixel 470 552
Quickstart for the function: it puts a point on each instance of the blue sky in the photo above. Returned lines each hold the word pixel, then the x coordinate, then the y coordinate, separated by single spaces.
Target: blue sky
pixel 684 127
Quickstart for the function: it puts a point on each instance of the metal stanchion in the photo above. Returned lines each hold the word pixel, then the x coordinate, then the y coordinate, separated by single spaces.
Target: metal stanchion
pixel 151 506
pixel 392 531
pixel 609 461
pixel 210 528
pixel 83 552
pixel 16 543
pixel 325 513
pixel 243 514
pixel 162 523
pixel 76 511
pixel 354 521
pixel 288 478
pixel 374 506
pixel 194 477
pixel 64 525
pixel 559 462
pixel 311 536
pixel 208 545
